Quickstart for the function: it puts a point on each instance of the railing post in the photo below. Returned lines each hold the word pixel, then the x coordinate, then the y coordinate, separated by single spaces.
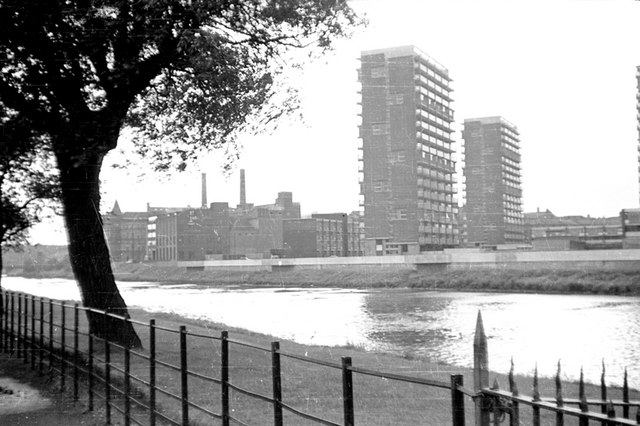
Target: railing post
pixel 50 336
pixel 107 381
pixel 514 418
pixel 25 338
pixel 457 400
pixel 277 384
pixel 559 398
pixel 3 321
pixel 184 385
pixel 152 372
pixel 19 329
pixel 63 349
pixel 584 406
pixel 33 332
pixel 90 368
pixel 41 337
pixel 224 376
pixel 536 398
pixel 76 350
pixel 347 391
pixel 127 387
pixel 12 335
pixel 603 393
pixel 481 373
pixel 625 395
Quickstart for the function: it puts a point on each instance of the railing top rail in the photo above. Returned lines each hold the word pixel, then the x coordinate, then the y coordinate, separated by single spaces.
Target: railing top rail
pixel 402 378
pixel 311 360
pixel 248 345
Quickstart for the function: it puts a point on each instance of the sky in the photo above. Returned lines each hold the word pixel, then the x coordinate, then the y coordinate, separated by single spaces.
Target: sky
pixel 562 71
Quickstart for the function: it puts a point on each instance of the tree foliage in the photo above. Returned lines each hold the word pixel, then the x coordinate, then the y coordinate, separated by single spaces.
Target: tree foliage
pixel 186 75
pixel 27 180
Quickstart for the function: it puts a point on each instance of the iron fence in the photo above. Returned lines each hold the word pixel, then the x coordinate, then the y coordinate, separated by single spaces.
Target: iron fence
pixel 152 386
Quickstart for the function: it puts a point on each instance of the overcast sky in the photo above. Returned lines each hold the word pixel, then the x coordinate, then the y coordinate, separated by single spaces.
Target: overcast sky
pixel 562 71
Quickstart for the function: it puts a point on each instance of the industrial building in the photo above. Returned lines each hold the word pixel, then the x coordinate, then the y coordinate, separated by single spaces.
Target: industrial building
pixel 407 170
pixel 545 231
pixel 126 234
pixel 493 193
pixel 322 235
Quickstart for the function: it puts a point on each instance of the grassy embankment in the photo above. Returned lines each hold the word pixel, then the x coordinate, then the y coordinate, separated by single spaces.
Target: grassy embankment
pixel 308 387
pixel 548 281
pixel 595 281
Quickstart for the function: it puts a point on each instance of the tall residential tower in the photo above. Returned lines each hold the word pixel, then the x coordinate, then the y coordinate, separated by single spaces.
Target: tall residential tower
pixel 492 177
pixel 407 162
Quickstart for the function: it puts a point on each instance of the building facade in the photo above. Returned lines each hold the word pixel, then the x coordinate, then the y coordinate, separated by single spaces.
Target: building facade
pixel 493 194
pixel 322 235
pixel 126 234
pixel 407 169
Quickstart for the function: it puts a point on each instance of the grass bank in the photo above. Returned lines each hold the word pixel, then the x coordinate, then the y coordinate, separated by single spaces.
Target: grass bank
pixel 508 280
pixel 311 388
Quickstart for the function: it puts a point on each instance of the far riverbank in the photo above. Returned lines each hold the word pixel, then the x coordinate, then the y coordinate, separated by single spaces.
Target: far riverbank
pixel 594 281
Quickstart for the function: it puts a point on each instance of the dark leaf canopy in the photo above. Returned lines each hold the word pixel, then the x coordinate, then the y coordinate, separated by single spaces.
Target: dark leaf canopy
pixel 186 75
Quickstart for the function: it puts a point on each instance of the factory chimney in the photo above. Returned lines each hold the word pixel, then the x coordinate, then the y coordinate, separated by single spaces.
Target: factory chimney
pixel 243 194
pixel 204 190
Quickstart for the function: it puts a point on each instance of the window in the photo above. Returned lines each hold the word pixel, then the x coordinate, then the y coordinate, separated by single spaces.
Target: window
pixel 378 72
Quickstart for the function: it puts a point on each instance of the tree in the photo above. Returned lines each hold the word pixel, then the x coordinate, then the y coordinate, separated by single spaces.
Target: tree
pixel 27 181
pixel 186 74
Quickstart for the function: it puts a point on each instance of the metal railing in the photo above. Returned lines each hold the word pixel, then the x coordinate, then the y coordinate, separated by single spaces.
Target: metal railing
pixel 153 386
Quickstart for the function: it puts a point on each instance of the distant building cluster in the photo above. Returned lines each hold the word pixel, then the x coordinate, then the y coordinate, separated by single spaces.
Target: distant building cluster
pixel 408 189
pixel 217 231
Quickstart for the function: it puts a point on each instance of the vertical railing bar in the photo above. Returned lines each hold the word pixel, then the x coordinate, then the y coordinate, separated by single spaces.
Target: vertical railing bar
pixel 347 391
pixel 63 349
pixel 603 393
pixel 625 395
pixel 33 332
pixel 457 400
pixel 224 376
pixel 19 329
pixel 184 385
pixel 514 418
pixel 127 387
pixel 3 330
pixel 76 350
pixel 559 398
pixel 584 406
pixel 11 342
pixel 26 345
pixel 152 372
pixel 91 372
pixel 277 383
pixel 41 337
pixel 536 398
pixel 50 336
pixel 4 318
pixel 107 380
pixel 496 407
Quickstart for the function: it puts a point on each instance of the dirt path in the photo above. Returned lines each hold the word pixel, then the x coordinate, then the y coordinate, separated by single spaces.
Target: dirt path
pixel 26 399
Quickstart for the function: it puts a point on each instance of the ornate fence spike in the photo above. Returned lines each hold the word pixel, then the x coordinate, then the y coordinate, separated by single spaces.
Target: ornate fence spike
pixel 559 399
pixel 513 387
pixel 536 389
pixel 584 407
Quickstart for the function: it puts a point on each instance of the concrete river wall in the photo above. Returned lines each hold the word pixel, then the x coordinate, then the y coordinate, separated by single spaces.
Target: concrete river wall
pixel 453 259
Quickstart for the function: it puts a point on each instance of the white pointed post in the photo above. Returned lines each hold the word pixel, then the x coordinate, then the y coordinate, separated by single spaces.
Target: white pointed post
pixel 481 373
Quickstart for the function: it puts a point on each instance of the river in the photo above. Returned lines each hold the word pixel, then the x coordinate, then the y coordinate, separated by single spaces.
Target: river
pixel 579 330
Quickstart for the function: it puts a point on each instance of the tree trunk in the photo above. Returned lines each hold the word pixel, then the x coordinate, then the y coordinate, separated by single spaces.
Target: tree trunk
pixel 88 251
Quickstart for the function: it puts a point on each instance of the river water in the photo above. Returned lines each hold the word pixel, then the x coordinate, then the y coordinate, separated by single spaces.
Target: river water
pixel 578 330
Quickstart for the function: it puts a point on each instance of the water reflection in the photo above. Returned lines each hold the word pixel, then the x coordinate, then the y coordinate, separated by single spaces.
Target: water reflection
pixel 579 330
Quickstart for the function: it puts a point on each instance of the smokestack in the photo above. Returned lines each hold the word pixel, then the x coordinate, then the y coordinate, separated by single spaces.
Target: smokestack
pixel 243 194
pixel 204 190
